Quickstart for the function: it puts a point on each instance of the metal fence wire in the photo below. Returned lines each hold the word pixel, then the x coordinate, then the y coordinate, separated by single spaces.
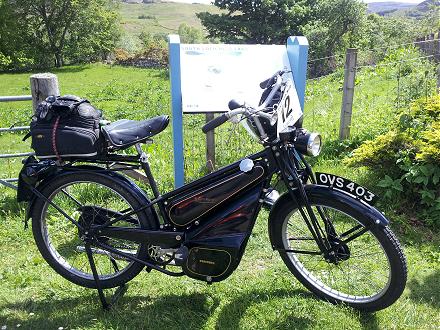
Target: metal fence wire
pixel 232 143
pixel 12 149
pixel 388 79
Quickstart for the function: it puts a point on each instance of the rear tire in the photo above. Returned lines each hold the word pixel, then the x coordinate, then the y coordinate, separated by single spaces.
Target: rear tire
pixel 370 273
pixel 58 240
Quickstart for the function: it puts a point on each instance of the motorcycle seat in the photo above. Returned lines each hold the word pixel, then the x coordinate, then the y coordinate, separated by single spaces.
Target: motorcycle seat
pixel 124 133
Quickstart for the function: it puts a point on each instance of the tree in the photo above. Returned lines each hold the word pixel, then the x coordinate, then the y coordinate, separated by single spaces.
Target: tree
pixel 335 26
pixel 191 35
pixel 330 25
pixel 14 46
pixel 59 29
pixel 258 21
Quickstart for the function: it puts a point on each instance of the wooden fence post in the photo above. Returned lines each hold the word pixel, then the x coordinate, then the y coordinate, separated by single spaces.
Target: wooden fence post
pixel 438 78
pixel 210 146
pixel 42 86
pixel 425 45
pixel 437 48
pixel 432 47
pixel 348 94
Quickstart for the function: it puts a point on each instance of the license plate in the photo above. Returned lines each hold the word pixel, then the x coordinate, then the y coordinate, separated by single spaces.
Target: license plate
pixel 346 186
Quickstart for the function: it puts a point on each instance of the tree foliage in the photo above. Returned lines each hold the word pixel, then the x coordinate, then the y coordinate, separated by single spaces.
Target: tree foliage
pixel 191 35
pixel 258 21
pixel 335 26
pixel 42 33
pixel 330 25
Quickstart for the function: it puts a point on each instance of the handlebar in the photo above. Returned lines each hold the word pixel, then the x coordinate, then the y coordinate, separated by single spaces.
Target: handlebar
pixel 270 81
pixel 216 122
pixel 276 81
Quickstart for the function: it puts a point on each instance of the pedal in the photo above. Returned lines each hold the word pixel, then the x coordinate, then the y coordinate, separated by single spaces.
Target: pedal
pixel 180 256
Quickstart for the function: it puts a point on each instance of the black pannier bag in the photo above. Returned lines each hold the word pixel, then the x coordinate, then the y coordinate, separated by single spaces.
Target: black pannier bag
pixel 66 127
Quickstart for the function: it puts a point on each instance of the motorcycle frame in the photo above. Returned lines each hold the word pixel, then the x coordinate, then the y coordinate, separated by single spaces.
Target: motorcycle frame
pixel 280 158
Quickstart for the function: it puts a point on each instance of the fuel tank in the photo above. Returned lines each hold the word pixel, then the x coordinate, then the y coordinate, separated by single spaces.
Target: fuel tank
pixel 192 205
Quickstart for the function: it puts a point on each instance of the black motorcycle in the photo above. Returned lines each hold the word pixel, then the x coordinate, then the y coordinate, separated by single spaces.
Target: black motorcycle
pixel 98 229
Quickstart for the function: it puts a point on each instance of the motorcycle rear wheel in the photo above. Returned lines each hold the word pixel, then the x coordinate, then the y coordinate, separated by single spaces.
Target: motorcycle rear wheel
pixel 59 240
pixel 369 272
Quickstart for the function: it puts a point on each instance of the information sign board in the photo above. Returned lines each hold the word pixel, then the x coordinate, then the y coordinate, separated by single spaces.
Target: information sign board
pixel 212 75
pixel 205 77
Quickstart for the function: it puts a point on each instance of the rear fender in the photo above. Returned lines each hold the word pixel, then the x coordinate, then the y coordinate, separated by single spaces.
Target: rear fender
pixel 327 195
pixel 114 176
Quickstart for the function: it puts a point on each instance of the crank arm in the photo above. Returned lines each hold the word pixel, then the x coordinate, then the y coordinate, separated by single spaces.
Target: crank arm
pixel 132 258
pixel 300 251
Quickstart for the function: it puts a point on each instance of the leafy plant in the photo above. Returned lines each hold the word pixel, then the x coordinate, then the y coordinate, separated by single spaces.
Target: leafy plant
pixel 408 159
pixel 391 186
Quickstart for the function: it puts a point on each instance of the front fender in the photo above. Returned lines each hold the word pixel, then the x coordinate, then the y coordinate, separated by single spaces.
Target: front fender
pixel 329 197
pixel 114 176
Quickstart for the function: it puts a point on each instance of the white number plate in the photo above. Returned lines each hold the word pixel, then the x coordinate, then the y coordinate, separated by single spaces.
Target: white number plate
pixel 347 186
pixel 289 109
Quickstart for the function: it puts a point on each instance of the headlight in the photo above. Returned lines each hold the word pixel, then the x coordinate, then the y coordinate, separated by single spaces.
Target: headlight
pixel 309 143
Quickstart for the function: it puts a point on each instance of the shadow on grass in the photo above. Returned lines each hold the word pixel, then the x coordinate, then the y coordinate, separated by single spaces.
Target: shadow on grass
pixel 71 69
pixel 231 314
pixel 368 321
pixel 426 290
pixel 186 311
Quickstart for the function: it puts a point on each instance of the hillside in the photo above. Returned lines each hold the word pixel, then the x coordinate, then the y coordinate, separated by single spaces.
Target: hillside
pixel 387 7
pixel 422 8
pixel 160 17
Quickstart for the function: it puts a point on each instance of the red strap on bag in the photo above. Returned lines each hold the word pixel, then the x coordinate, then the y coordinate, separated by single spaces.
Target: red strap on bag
pixel 54 137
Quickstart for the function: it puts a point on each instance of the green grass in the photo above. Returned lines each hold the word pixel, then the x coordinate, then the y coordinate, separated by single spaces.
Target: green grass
pixel 162 17
pixel 380 94
pixel 260 294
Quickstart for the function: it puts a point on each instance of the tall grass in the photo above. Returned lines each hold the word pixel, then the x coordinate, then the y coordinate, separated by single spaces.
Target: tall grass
pixel 261 293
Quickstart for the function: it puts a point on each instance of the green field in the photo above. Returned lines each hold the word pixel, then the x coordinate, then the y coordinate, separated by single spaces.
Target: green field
pixel 262 293
pixel 161 17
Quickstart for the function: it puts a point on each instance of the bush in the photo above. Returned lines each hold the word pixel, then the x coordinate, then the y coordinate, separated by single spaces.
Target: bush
pixel 143 16
pixel 408 159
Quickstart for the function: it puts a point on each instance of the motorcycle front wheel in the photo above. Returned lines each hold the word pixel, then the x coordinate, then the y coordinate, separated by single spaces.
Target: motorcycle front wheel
pixel 368 273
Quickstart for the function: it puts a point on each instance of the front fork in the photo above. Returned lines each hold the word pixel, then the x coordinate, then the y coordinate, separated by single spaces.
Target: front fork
pixel 289 162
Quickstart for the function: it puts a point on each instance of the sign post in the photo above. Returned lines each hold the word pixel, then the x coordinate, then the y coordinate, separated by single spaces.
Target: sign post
pixel 205 77
pixel 176 105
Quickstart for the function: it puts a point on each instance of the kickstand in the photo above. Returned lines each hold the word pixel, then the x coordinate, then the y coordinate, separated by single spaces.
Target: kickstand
pixel 120 291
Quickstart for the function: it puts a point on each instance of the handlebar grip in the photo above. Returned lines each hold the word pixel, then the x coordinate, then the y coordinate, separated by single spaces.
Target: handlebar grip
pixel 269 82
pixel 265 84
pixel 217 121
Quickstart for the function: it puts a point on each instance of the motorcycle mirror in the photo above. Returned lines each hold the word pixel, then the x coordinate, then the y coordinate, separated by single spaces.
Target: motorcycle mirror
pixel 234 104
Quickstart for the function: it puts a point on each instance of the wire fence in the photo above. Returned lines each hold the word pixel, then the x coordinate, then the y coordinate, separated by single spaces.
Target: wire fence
pixel 12 148
pixel 387 80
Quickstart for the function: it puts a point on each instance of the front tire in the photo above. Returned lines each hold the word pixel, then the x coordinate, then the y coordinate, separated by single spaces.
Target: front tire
pixel 369 273
pixel 59 240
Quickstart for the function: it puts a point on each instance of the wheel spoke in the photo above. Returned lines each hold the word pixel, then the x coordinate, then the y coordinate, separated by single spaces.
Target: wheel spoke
pixel 63 238
pixel 361 268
